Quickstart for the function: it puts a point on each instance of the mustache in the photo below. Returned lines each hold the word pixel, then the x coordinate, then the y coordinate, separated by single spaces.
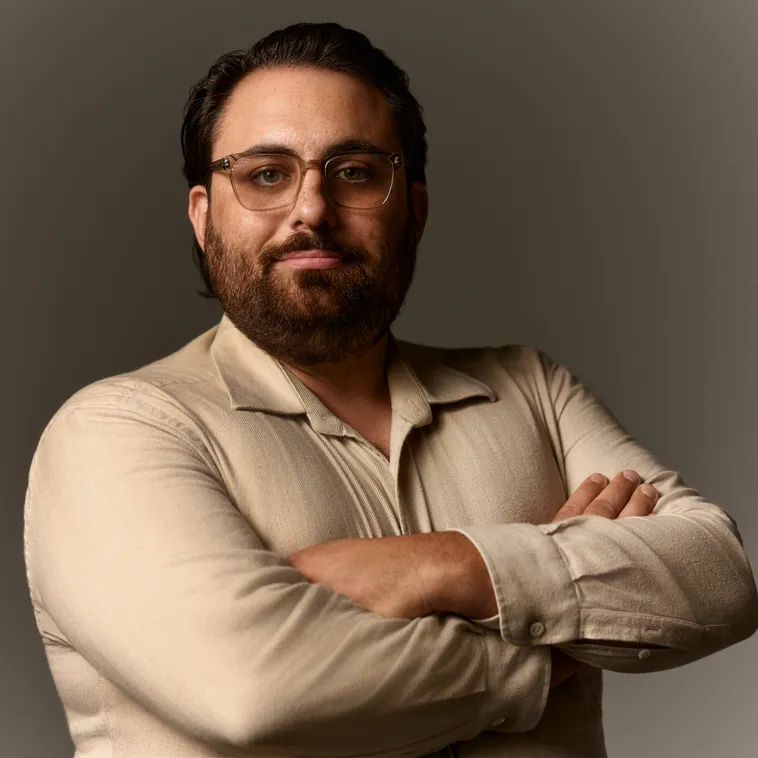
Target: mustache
pixel 302 241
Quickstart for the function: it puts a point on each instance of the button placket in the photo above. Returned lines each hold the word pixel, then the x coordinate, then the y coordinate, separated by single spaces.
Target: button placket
pixel 380 465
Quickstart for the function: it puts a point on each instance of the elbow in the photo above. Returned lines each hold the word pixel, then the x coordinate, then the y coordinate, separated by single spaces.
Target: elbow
pixel 735 619
pixel 238 724
pixel 251 716
pixel 240 729
pixel 269 716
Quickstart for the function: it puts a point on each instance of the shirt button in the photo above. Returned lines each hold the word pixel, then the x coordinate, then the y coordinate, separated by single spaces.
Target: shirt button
pixel 643 655
pixel 537 629
pixel 497 722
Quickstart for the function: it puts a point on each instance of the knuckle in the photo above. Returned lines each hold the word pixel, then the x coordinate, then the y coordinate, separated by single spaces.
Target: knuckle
pixel 627 479
pixel 568 511
pixel 601 507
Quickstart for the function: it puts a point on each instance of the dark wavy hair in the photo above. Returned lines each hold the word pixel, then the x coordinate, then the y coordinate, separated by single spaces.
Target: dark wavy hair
pixel 327 46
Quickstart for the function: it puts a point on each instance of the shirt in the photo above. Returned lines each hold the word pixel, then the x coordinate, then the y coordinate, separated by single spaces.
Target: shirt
pixel 162 504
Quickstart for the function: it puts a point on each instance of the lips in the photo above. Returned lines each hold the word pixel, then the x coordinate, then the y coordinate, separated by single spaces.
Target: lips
pixel 312 259
pixel 311 254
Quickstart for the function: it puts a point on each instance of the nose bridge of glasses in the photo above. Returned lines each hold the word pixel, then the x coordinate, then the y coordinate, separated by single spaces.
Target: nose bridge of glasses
pixel 319 183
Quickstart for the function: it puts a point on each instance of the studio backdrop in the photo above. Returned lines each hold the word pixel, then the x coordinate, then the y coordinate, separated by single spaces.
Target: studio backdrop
pixel 593 179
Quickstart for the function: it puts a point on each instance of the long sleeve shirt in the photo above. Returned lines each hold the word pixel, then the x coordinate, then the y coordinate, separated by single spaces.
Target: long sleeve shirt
pixel 163 503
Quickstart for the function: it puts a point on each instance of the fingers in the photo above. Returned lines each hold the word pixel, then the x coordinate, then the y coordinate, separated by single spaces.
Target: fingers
pixel 641 502
pixel 585 493
pixel 615 496
pixel 623 496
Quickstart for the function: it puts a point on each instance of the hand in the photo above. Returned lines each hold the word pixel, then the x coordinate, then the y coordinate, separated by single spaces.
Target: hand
pixel 382 574
pixel 621 497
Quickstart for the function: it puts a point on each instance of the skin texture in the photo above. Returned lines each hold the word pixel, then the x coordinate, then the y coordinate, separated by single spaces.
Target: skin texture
pixel 330 326
pixel 308 318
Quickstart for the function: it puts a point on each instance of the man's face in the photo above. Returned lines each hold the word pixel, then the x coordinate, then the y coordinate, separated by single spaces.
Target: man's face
pixel 308 316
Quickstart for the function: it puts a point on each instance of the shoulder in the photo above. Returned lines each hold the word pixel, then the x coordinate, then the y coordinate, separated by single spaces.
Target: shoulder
pixel 518 361
pixel 165 392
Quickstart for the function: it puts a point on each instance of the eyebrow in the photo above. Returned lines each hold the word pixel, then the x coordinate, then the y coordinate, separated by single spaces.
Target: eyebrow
pixel 337 148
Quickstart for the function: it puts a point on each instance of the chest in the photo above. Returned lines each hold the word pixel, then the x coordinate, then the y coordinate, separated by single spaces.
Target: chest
pixel 475 464
pixel 374 426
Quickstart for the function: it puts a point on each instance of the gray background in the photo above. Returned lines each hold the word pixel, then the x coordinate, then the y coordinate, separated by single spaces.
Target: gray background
pixel 593 180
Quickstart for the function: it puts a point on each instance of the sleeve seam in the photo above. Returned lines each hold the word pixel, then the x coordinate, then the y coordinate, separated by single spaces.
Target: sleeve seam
pixel 145 412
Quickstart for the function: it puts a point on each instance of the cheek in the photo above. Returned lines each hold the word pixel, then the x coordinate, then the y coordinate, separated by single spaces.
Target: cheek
pixel 244 229
pixel 383 226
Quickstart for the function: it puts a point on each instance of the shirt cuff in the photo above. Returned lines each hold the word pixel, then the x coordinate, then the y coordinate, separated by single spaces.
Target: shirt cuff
pixel 518 685
pixel 537 601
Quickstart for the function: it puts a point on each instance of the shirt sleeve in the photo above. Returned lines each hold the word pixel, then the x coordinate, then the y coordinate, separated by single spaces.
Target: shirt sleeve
pixel 150 572
pixel 670 589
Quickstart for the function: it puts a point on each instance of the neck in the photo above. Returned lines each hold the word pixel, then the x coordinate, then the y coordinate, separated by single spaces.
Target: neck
pixel 360 380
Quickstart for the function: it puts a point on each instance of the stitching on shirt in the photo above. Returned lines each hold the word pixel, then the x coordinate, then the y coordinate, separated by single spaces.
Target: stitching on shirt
pixel 486 671
pixel 200 447
pixel 175 381
pixel 571 580
pixel 133 388
pixel 682 622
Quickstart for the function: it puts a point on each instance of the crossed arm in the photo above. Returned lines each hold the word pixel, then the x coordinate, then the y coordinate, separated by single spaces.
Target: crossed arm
pixel 443 572
pixel 224 640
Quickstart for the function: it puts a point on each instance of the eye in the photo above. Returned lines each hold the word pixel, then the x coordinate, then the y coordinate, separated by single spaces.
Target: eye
pixel 264 172
pixel 353 172
pixel 268 176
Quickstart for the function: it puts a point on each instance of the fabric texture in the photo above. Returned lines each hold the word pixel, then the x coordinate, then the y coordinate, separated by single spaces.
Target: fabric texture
pixel 162 505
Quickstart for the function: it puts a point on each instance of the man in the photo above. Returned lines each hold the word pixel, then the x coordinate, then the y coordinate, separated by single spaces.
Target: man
pixel 299 536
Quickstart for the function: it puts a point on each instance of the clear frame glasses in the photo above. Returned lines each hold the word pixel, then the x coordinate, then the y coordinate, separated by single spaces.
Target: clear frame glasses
pixel 267 181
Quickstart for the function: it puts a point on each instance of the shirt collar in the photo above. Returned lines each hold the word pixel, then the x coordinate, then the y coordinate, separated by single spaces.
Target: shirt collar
pixel 418 378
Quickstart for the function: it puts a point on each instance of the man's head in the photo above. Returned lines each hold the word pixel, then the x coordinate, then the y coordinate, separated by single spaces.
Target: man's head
pixel 307 93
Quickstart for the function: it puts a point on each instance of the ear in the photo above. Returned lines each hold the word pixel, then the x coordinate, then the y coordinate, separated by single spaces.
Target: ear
pixel 419 203
pixel 198 212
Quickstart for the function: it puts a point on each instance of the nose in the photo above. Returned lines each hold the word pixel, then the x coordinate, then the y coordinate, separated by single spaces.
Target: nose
pixel 312 208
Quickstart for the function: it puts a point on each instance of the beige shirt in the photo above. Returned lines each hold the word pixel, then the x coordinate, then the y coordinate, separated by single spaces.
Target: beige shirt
pixel 162 505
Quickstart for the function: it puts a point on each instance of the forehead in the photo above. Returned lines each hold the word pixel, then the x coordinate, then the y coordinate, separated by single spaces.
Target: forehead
pixel 304 109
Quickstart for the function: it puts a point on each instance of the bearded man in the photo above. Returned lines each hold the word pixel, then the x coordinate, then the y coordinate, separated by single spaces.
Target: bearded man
pixel 300 536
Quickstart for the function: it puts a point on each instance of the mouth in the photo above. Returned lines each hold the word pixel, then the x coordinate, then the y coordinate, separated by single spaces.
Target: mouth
pixel 315 258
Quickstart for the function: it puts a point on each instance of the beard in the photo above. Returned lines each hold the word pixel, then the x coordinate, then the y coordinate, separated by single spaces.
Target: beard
pixel 310 317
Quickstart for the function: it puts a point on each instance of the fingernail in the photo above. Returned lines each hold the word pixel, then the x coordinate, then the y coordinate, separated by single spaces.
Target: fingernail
pixel 649 491
pixel 631 476
pixel 598 479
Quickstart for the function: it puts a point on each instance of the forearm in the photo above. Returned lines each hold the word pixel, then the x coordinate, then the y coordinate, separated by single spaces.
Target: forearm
pixel 219 637
pixel 631 583
pixel 680 580
pixel 638 619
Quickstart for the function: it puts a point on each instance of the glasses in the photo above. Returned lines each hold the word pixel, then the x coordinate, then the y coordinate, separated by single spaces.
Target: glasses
pixel 273 180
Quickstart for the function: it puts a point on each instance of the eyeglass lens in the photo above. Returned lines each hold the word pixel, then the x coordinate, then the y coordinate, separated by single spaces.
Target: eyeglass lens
pixel 352 181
